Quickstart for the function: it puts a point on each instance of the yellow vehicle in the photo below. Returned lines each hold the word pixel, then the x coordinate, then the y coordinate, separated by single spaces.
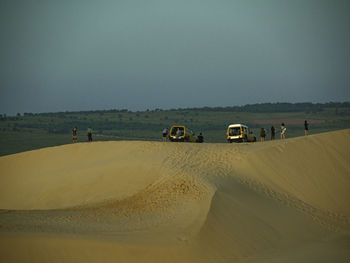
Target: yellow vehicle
pixel 181 134
pixel 239 133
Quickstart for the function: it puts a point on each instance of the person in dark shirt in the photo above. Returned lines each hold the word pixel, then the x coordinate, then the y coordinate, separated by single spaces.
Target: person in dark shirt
pixel 306 128
pixel 200 138
pixel 272 133
pixel 89 134
pixel 262 134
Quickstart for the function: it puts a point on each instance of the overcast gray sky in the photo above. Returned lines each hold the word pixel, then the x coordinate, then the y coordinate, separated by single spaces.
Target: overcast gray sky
pixel 136 54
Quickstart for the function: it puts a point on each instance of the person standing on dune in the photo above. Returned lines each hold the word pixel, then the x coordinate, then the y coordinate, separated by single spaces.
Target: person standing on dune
pixel 89 134
pixel 262 134
pixel 165 134
pixel 272 133
pixel 283 131
pixel 75 135
pixel 306 128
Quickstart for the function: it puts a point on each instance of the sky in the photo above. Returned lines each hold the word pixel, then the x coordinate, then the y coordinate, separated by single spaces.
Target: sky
pixel 73 55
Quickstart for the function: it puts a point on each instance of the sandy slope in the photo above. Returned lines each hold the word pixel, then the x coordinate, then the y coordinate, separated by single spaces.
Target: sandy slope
pixel 280 201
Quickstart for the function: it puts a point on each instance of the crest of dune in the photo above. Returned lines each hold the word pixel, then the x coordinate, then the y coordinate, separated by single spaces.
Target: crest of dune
pixel 125 201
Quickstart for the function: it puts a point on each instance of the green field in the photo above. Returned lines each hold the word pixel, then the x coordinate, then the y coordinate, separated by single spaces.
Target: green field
pixel 32 131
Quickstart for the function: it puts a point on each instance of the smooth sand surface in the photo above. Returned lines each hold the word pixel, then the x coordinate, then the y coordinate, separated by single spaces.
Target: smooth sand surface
pixel 277 201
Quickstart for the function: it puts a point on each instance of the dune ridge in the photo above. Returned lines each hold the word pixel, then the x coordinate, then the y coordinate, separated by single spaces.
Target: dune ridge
pixel 137 201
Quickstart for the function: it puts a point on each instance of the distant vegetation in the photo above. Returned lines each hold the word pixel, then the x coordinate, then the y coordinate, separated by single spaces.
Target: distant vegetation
pixel 31 131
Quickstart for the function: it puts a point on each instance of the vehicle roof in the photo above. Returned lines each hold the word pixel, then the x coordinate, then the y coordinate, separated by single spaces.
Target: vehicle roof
pixel 177 126
pixel 237 125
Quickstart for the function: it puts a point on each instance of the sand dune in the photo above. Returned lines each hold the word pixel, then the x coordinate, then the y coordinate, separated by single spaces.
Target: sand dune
pixel 278 201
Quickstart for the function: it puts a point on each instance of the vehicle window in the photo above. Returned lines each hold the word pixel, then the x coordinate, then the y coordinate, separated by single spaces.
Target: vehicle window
pixel 177 131
pixel 234 131
pixel 173 131
pixel 182 131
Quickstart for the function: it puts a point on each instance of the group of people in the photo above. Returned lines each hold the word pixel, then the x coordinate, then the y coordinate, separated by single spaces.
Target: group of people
pixel 75 134
pixel 283 131
pixel 200 137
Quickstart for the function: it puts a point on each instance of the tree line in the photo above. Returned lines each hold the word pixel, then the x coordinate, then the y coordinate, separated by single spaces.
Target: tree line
pixel 306 107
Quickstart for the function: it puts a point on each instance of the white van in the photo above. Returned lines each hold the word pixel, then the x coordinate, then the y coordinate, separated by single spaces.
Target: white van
pixel 239 133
